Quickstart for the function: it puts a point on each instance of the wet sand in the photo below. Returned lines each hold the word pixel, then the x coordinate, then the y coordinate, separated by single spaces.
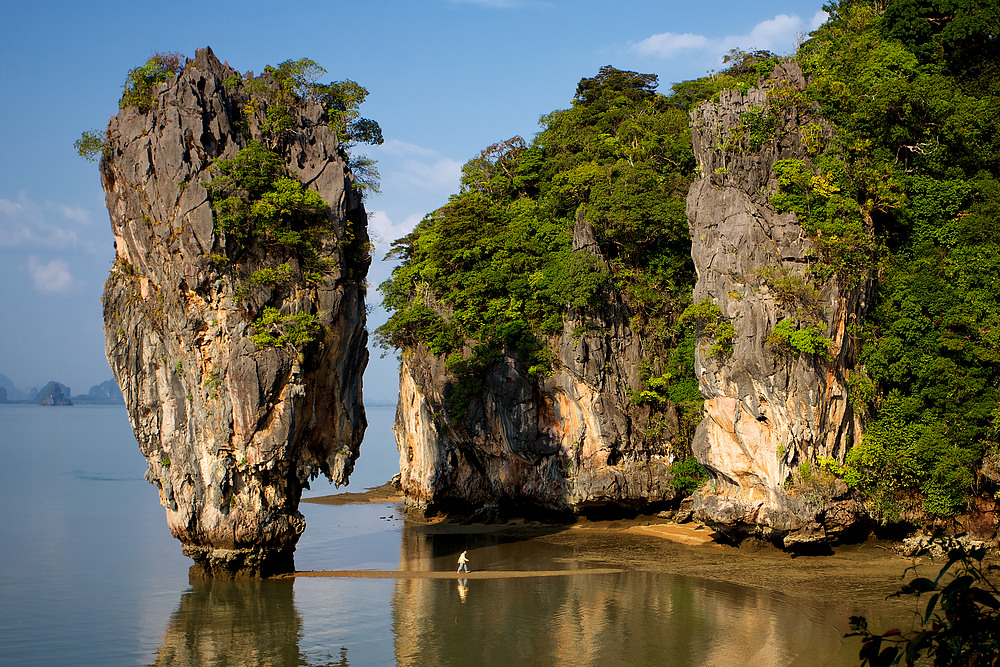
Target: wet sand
pixel 474 574
pixel 861 575
pixel 387 493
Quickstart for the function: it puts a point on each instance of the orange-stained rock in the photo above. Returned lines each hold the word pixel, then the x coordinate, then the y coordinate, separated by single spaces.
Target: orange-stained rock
pixel 767 412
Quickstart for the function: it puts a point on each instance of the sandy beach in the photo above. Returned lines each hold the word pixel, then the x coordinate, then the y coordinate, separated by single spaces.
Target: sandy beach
pixel 862 575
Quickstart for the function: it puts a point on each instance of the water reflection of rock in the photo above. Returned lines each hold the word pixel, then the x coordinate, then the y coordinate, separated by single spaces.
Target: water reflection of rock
pixel 233 623
pixel 634 617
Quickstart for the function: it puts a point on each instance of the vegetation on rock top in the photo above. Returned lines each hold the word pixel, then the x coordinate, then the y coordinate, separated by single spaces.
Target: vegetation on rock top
pixel 905 186
pixel 275 236
pixel 494 271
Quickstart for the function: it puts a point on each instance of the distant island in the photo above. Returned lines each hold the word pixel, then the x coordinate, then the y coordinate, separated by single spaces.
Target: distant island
pixel 56 393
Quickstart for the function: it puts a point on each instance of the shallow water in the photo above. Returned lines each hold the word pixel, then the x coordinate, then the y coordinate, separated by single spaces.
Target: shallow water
pixel 89 575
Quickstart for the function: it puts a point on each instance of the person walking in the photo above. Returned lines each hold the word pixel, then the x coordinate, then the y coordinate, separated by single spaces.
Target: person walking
pixel 462 560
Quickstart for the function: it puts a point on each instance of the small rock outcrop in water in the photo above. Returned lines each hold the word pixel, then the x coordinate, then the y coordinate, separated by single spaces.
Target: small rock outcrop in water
pixel 768 412
pixel 54 394
pixel 564 442
pixel 240 358
pixel 105 393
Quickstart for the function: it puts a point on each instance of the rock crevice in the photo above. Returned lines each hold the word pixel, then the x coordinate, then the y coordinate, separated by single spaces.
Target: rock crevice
pixel 767 411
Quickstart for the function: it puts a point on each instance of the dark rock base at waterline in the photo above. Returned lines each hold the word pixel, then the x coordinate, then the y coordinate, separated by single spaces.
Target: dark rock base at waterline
pixel 213 563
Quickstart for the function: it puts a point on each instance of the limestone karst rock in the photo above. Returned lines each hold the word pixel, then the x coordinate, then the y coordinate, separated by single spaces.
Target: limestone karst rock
pixel 767 412
pixel 566 442
pixel 240 357
pixel 54 393
pixel 106 391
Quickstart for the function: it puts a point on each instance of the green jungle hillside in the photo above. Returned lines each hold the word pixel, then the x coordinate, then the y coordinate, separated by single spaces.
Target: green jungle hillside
pixel 908 191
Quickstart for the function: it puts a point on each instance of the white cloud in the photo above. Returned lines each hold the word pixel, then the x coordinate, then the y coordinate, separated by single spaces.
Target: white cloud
pixel 669 44
pixel 438 175
pixel 24 223
pixel 407 165
pixel 53 276
pixel 405 149
pixel 779 34
pixel 74 213
pixel 384 231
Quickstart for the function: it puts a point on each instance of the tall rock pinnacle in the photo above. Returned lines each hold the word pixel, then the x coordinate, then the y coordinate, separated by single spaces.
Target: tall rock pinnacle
pixel 234 313
pixel 771 409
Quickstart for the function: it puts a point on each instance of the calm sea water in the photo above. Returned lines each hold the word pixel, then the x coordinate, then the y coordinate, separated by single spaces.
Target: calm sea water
pixel 89 575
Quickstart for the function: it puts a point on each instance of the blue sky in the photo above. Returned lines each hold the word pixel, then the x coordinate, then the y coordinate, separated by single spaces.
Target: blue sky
pixel 446 79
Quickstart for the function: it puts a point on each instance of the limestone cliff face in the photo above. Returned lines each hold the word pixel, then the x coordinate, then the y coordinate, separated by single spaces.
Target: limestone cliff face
pixel 766 411
pixel 232 430
pixel 564 442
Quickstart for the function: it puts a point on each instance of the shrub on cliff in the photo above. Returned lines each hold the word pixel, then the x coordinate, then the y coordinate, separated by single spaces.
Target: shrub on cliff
pixel 687 475
pixel 911 184
pixel 138 89
pixel 92 145
pixel 254 198
pixel 137 93
pixel 294 80
pixel 277 330
pixel 499 256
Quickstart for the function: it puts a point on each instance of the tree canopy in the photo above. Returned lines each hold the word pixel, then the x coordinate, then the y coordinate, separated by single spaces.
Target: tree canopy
pixel 907 189
pixel 495 267
pixel 917 117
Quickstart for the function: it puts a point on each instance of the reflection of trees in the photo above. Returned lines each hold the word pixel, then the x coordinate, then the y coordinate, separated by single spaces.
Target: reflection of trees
pixel 633 617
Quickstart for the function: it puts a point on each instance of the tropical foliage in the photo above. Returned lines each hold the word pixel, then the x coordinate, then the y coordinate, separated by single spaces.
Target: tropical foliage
pixel 91 145
pixel 277 330
pixel 494 270
pixel 254 198
pixel 959 625
pixel 294 80
pixel 910 185
pixel 138 89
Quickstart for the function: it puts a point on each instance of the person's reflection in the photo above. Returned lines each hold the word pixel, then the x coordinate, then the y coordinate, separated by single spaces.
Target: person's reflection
pixel 463 589
pixel 233 623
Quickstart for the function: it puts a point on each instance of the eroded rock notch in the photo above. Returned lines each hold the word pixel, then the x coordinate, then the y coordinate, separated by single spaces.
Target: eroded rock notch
pixel 234 313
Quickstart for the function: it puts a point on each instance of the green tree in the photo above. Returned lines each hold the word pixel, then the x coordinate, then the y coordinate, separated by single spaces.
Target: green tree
pixel 255 199
pixel 138 89
pixel 909 186
pixel 91 145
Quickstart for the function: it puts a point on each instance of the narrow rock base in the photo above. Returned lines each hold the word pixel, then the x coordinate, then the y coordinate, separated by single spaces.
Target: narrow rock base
pixel 215 563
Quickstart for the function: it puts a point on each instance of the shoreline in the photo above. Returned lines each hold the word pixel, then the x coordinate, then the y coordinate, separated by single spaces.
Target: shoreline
pixel 447 574
pixel 386 493
pixel 861 575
